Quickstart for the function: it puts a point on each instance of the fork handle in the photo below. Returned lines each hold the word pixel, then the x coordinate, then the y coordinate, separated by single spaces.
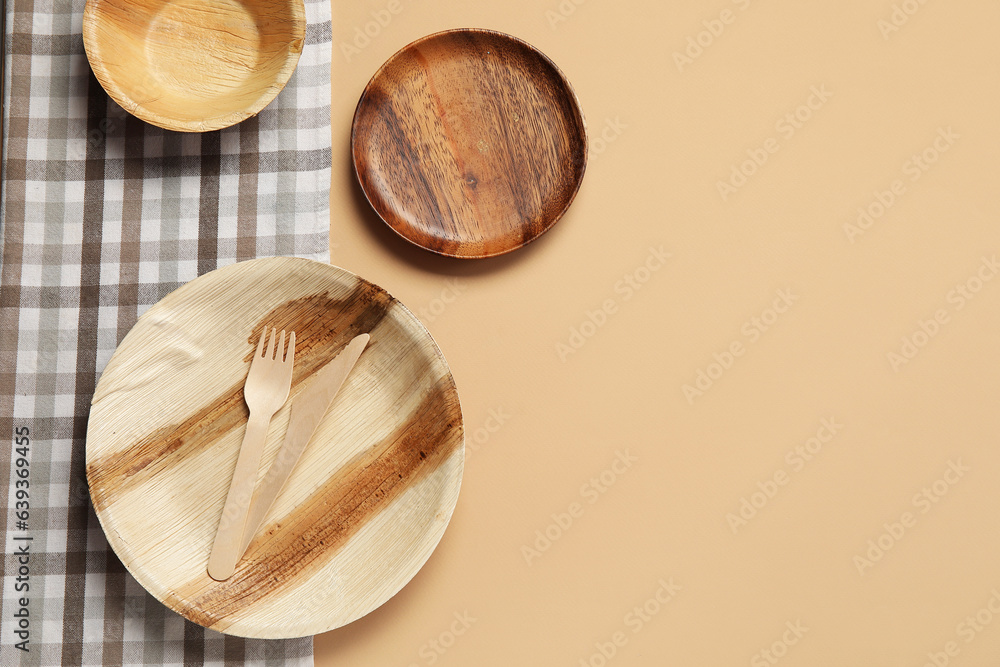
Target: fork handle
pixel 226 548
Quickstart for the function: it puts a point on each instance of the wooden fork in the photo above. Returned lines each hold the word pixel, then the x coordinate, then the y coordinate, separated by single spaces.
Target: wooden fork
pixel 266 389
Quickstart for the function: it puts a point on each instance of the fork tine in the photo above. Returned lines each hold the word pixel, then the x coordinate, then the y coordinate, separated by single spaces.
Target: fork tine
pixel 260 345
pixel 270 343
pixel 280 352
pixel 290 352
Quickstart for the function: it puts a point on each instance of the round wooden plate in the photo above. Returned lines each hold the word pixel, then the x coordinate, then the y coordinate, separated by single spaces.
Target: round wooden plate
pixel 366 504
pixel 193 65
pixel 469 143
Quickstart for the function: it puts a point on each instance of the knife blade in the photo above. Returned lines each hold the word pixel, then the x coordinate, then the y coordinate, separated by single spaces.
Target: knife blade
pixel 307 411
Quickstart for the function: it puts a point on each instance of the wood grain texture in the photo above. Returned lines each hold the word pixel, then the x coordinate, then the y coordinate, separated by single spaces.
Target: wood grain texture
pixel 192 65
pixel 367 502
pixel 469 143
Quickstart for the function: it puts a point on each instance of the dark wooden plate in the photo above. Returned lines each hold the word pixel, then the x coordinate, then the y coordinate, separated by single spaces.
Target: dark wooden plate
pixel 469 143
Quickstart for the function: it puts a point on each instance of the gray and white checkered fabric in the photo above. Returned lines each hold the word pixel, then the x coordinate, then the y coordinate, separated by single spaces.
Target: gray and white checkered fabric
pixel 103 215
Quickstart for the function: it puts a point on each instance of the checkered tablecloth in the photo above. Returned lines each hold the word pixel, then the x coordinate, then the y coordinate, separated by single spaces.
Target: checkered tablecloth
pixel 103 215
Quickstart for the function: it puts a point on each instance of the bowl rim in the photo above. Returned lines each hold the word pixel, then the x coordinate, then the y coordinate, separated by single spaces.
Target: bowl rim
pixel 92 47
pixel 573 98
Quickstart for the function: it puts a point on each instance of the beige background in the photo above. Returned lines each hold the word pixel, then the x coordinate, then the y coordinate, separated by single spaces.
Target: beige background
pixel 668 135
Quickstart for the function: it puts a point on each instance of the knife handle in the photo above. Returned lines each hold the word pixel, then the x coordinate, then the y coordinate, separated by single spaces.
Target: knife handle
pixel 222 562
